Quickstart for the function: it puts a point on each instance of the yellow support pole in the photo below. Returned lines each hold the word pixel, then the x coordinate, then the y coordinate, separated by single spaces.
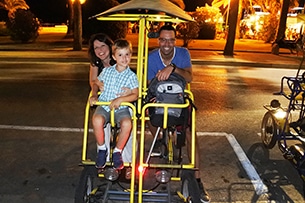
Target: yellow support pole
pixel 86 130
pixel 140 60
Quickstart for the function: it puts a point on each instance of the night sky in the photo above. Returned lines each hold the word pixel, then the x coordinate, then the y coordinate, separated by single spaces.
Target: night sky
pixel 55 11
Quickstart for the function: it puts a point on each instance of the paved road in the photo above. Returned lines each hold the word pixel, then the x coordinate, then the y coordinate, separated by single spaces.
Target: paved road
pixel 51 94
pixel 42 113
pixel 55 47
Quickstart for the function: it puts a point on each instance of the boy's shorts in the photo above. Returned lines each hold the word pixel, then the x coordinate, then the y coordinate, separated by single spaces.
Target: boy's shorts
pixel 118 114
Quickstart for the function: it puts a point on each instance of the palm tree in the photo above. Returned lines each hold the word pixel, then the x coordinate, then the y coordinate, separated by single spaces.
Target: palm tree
pixel 179 3
pixel 78 30
pixel 233 15
pixel 282 24
pixel 12 5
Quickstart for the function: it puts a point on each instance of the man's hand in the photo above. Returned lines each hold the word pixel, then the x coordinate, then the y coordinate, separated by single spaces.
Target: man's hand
pixel 164 73
pixel 92 100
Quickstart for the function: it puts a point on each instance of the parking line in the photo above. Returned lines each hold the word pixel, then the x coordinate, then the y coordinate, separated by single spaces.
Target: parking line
pixel 41 128
pixel 259 186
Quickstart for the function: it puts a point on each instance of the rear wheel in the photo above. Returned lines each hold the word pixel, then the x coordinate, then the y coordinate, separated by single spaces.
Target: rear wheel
pixel 190 189
pixel 269 131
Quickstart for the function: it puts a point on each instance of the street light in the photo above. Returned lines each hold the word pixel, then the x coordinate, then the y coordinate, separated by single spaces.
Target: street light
pixel 81 1
pixel 228 10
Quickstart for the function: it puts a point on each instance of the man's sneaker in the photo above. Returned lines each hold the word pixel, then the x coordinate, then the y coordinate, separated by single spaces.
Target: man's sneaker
pixel 101 158
pixel 204 196
pixel 117 160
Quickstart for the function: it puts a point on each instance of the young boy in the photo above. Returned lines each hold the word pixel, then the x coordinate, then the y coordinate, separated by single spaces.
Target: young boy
pixel 115 78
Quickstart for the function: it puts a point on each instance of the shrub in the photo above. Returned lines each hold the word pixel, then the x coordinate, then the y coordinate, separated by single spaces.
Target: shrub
pixel 207 17
pixel 269 28
pixel 23 27
pixel 3 30
pixel 187 32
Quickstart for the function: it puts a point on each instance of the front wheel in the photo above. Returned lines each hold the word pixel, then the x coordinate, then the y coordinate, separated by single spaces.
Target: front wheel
pixel 190 189
pixel 269 130
pixel 86 184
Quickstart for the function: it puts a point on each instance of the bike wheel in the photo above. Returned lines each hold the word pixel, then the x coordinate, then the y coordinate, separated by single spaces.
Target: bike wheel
pixel 86 184
pixel 269 131
pixel 189 188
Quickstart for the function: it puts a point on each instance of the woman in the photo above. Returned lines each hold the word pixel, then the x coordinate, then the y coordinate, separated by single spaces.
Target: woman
pixel 100 56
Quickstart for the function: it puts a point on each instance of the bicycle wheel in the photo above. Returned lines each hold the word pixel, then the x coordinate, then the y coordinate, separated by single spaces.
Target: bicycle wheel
pixel 269 130
pixel 190 189
pixel 86 184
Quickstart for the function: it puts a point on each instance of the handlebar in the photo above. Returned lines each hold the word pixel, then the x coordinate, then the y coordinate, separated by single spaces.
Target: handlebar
pixel 296 86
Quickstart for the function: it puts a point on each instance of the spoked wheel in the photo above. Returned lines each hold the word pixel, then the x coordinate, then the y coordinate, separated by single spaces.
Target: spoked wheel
pixel 269 131
pixel 86 184
pixel 190 189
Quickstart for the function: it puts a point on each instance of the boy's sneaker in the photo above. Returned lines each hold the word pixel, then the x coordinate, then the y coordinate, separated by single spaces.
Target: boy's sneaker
pixel 204 196
pixel 117 160
pixel 101 158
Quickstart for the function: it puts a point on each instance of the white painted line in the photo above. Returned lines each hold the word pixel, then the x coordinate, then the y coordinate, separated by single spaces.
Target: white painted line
pixel 42 128
pixel 259 186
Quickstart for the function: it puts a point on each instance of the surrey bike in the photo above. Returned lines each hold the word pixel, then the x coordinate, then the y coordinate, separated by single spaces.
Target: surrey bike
pixel 285 126
pixel 98 187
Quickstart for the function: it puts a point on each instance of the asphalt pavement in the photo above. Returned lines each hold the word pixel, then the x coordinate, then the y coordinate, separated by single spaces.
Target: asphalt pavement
pixel 56 47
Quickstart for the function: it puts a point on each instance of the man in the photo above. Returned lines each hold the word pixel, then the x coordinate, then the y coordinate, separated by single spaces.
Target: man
pixel 161 63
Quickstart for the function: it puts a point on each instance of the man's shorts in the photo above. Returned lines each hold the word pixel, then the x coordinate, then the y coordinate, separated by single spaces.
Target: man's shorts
pixel 118 114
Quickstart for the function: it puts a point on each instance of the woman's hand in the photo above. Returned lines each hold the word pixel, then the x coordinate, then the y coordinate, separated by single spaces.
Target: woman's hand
pixel 100 85
pixel 126 91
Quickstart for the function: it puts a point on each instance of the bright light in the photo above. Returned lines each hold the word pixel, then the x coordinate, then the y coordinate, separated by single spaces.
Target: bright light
pixel 280 114
pixel 141 169
pixel 81 1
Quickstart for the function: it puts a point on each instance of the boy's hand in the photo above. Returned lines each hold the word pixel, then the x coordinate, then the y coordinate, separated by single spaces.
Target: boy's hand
pixel 93 100
pixel 115 103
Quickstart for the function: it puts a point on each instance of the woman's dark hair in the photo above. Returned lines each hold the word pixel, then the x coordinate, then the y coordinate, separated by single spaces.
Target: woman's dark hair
pixel 94 60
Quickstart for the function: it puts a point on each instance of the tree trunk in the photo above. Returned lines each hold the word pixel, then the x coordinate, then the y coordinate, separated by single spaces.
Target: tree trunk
pixel 282 27
pixel 71 18
pixel 77 37
pixel 233 15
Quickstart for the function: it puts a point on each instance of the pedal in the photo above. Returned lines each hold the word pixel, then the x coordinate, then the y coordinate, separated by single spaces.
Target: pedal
pixel 288 156
pixel 155 154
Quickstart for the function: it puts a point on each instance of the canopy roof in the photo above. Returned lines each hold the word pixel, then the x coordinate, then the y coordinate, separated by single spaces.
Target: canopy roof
pixel 154 5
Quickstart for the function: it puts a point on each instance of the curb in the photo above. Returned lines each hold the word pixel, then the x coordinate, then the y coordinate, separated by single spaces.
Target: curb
pixel 194 62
